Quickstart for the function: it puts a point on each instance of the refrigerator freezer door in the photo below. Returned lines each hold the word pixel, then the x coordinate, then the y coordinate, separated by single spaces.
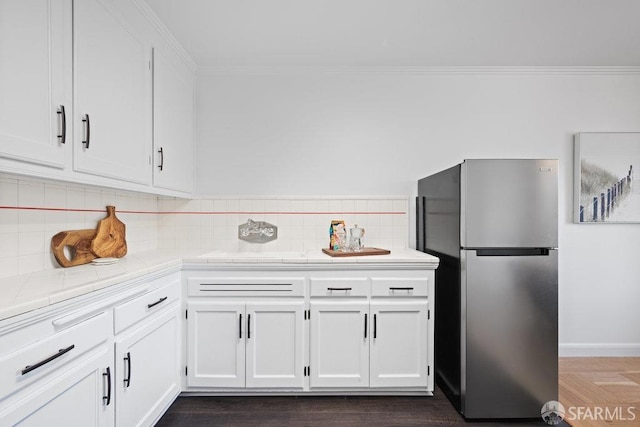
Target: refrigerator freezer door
pixel 509 334
pixel 509 203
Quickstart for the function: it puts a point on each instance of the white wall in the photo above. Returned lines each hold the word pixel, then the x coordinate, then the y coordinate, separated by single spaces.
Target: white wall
pixel 374 132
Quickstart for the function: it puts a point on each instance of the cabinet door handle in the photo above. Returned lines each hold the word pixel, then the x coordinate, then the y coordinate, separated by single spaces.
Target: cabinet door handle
pixel 365 325
pixel 107 398
pixel 161 165
pixel 62 135
pixel 248 326
pixel 375 327
pixel 87 130
pixel 161 300
pixel 127 359
pixel 240 326
pixel 60 352
pixel 400 289
pixel 338 289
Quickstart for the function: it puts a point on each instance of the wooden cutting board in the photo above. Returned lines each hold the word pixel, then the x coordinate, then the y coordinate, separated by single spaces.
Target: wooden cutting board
pixel 110 240
pixel 79 244
pixel 365 251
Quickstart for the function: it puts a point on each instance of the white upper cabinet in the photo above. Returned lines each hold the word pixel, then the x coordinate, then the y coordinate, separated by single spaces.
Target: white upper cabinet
pixel 173 122
pixel 35 80
pixel 112 82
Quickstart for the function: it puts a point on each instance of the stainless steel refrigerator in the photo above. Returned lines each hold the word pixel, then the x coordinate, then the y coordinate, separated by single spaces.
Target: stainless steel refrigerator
pixel 494 226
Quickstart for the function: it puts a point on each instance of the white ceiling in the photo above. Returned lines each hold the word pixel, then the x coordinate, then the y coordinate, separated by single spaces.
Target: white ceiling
pixel 405 32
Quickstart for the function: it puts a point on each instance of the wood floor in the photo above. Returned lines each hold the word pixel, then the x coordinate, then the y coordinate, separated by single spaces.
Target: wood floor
pixel 609 383
pixel 587 383
pixel 322 411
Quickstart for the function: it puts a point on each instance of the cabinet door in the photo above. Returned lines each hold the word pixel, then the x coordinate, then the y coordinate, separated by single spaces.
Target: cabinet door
pixel 173 121
pixel 35 79
pixel 78 398
pixel 112 81
pixel 399 344
pixel 275 344
pixel 216 344
pixel 148 370
pixel 339 341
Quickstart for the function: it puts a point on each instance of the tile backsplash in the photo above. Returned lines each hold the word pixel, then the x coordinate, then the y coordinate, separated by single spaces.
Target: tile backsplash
pixel 32 211
pixel 303 222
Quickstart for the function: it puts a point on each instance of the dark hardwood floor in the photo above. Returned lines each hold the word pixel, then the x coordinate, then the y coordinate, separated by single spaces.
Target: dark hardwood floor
pixel 195 411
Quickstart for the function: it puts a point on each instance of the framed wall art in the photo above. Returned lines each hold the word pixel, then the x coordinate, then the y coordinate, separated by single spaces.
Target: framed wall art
pixel 607 182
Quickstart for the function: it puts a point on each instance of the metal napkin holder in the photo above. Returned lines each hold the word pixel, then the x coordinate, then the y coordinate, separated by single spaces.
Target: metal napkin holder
pixel 257 232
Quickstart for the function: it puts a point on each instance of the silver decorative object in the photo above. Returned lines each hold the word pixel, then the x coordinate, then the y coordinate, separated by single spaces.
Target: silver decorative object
pixel 257 231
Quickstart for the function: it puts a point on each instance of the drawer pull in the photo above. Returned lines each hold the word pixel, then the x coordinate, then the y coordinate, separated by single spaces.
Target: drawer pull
pixel 62 135
pixel 375 327
pixel 87 131
pixel 400 289
pixel 127 359
pixel 240 326
pixel 60 352
pixel 338 289
pixel 365 325
pixel 157 302
pixel 107 398
pixel 248 326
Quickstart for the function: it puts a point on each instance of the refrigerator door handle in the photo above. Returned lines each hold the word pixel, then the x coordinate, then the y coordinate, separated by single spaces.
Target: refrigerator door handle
pixel 513 252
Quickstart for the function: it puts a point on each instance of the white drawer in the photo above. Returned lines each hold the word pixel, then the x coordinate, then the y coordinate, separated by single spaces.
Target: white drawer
pixel 246 286
pixel 30 364
pixel 340 287
pixel 131 312
pixel 407 287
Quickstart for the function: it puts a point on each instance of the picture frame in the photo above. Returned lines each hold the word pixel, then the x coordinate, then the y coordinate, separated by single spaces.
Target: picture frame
pixel 606 178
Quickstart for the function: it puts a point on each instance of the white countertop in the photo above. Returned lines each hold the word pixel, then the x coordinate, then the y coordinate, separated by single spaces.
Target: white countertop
pixel 20 294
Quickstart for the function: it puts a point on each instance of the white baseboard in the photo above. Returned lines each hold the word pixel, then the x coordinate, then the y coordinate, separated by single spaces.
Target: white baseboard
pixel 599 350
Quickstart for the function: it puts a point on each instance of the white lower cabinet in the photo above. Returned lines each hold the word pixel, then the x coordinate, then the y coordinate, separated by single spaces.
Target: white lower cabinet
pixel 147 370
pixel 234 344
pixel 82 396
pixel 339 344
pixel 399 356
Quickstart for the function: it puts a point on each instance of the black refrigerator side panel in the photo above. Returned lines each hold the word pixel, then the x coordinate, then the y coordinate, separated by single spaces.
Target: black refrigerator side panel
pixel 447 328
pixel 438 228
pixel 439 200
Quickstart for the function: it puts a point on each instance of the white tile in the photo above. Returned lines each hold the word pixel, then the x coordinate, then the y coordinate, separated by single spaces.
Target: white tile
pixel 30 194
pixel 76 198
pixel 400 206
pixel 322 206
pixel 271 205
pixel 30 263
pixel 8 220
pixel 335 206
pixel 373 205
pixel 246 206
pixel 309 206
pixel 8 192
pixel 30 220
pixel 107 198
pixel 233 205
pixel 30 243
pixel 219 205
pixel 348 205
pixel 8 266
pixel 361 206
pixel 386 205
pixel 8 244
pixel 258 206
pixel 206 205
pixel 284 205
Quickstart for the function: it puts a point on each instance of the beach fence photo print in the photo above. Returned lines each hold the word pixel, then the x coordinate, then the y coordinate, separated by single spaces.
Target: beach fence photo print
pixel 606 186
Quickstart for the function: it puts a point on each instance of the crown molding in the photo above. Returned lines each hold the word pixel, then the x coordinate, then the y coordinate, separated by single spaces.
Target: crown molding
pixel 153 19
pixel 420 70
